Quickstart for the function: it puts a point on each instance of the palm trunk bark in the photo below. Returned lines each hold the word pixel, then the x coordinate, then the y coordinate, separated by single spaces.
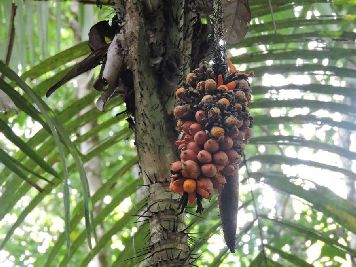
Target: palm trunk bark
pixel 154 132
pixel 157 49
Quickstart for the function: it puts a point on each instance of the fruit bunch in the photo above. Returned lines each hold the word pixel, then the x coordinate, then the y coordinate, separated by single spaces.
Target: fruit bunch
pixel 214 125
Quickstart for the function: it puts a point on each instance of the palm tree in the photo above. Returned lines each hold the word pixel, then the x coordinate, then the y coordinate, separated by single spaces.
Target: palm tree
pixel 301 54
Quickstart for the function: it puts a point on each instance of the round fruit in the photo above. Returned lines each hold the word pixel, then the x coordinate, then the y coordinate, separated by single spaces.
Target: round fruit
pixel 176 166
pixel 194 146
pixel 210 84
pixel 188 155
pixel 190 169
pixel 225 142
pixel 189 185
pixel 194 128
pixel 233 156
pixel 230 170
pixel 220 158
pixel 199 116
pixel 209 170
pixel 200 137
pixel 204 156
pixel 211 146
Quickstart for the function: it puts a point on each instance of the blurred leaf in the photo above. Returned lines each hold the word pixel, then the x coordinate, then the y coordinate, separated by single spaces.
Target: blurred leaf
pixel 57 60
pixel 289 257
pixel 322 198
pixel 6 130
pixel 312 234
pixel 16 166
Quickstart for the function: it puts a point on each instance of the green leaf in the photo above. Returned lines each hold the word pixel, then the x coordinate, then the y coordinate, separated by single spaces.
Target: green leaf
pixel 293 54
pixel 302 119
pixel 297 37
pixel 312 88
pixel 260 260
pixel 10 135
pixel 59 134
pixel 22 103
pixel 279 159
pixel 104 189
pixel 289 257
pixel 323 199
pixel 16 166
pixel 312 104
pixel 306 68
pixel 310 233
pixel 123 222
pixel 329 251
pixel 57 60
pixel 298 141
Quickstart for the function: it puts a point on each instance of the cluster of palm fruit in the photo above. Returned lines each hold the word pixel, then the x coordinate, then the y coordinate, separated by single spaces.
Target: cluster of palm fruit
pixel 214 125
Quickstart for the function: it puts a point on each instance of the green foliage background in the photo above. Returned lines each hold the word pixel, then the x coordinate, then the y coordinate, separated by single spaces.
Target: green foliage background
pixel 305 120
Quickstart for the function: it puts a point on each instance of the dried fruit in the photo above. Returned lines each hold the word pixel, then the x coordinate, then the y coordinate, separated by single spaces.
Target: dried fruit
pixel 214 112
pixel 207 99
pixel 181 111
pixel 231 121
pixel 191 79
pixel 180 92
pixel 217 132
pixel 247 123
pixel 224 102
pixel 210 84
pixel 238 106
pixel 248 133
pixel 201 85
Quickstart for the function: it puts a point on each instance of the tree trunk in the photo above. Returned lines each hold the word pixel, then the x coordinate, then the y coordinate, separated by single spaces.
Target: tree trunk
pixel 157 51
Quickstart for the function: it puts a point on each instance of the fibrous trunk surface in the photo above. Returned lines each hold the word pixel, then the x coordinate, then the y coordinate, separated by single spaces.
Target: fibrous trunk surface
pixel 154 39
